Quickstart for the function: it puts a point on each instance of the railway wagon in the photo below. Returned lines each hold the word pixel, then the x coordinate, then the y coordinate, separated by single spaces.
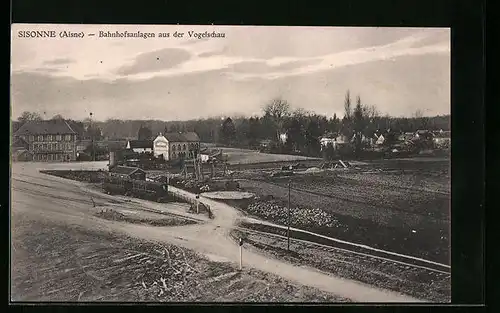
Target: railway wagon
pixel 136 188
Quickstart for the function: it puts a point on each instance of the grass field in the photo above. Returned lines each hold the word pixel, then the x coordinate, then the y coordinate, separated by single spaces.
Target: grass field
pixel 244 156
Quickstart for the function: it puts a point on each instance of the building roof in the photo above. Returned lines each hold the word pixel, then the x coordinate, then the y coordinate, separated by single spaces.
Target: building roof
pixel 423 131
pixel 125 170
pixel 329 135
pixel 77 127
pixel 140 144
pixel 46 127
pixel 182 137
pixel 15 126
pixel 444 134
pixel 19 143
pixel 18 153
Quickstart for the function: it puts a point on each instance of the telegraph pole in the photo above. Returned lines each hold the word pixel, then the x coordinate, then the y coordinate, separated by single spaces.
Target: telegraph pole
pixel 288 230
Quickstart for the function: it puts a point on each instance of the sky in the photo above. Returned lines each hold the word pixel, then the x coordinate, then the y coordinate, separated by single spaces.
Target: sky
pixel 399 70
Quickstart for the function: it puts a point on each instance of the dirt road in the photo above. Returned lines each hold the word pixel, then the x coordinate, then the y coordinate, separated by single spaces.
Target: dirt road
pixel 68 202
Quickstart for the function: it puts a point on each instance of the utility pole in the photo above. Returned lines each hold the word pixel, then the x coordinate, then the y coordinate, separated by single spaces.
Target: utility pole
pixel 241 253
pixel 288 229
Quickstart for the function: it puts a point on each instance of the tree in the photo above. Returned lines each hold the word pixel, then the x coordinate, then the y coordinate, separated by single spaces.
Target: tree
pixel 144 133
pixel 347 106
pixel 29 116
pixel 328 152
pixel 277 111
pixel 94 133
pixel 295 139
pixel 242 131
pixel 347 119
pixel 228 131
pixel 312 133
pixel 359 124
pixel 253 131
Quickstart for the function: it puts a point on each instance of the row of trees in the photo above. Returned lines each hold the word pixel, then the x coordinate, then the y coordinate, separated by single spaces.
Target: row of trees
pixel 300 127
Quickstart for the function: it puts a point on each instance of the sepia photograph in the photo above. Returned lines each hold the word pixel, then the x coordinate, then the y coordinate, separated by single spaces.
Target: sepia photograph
pixel 230 164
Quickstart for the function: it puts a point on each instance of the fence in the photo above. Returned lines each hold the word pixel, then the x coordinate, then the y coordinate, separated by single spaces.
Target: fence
pixel 202 207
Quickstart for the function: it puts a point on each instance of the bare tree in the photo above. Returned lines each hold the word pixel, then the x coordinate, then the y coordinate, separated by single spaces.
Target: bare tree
pixel 58 117
pixel 278 110
pixel 29 116
pixel 301 112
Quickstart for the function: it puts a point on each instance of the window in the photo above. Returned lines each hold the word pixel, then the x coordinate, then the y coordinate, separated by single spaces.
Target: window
pixel 44 146
pixel 32 138
pixel 179 147
pixel 40 137
pixel 58 137
pixel 184 147
pixel 67 137
pixel 49 137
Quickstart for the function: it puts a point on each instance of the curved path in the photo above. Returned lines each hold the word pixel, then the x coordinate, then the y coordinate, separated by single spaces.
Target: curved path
pixel 68 202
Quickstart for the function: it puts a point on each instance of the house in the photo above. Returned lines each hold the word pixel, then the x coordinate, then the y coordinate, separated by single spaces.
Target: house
pixel 265 144
pixel 177 145
pixel 20 150
pixel 283 137
pixel 423 134
pixel 49 140
pixel 19 144
pixel 380 140
pixel 22 156
pixel 140 146
pixel 160 147
pixel 81 145
pixel 442 138
pixel 127 172
pixel 330 138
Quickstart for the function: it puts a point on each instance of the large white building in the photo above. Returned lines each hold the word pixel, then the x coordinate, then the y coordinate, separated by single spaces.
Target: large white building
pixel 176 145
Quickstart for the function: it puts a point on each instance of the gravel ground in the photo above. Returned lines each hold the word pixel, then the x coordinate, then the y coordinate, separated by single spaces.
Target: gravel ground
pixel 51 262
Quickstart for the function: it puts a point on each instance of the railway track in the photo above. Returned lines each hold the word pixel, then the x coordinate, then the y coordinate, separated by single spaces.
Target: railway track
pixel 397 259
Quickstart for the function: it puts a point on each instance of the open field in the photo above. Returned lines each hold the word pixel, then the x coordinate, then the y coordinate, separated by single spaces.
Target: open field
pixel 245 156
pixel 384 273
pixel 49 212
pixel 52 262
pixel 406 212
